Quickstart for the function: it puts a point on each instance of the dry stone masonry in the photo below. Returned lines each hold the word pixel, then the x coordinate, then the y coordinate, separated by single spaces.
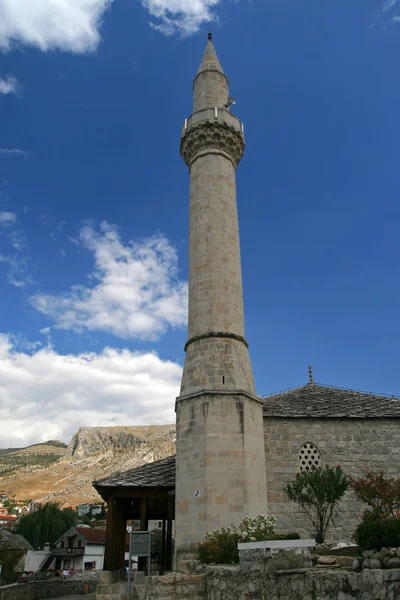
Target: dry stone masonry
pixel 266 574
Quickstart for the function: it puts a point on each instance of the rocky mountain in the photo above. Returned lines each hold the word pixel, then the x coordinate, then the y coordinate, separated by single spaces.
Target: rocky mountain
pixel 93 452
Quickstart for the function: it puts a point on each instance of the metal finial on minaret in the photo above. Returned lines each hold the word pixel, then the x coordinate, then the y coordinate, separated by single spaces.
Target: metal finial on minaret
pixel 210 36
pixel 310 374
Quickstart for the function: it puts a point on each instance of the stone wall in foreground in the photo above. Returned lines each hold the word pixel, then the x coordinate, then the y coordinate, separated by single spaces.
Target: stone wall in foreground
pixel 37 590
pixel 272 575
pixel 256 578
pixel 176 586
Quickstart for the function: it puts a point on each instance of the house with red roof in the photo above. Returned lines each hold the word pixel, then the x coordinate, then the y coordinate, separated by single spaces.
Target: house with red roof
pixel 7 519
pixel 80 548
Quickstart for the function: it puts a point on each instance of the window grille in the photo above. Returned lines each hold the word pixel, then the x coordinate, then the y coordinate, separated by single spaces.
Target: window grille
pixel 309 457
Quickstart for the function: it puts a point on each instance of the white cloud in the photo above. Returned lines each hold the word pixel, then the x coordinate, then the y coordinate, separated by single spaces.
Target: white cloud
pixel 136 292
pixel 388 4
pixel 73 25
pixel 9 85
pixel 45 395
pixel 69 25
pixel 389 13
pixel 15 251
pixel 10 152
pixel 180 16
pixel 6 218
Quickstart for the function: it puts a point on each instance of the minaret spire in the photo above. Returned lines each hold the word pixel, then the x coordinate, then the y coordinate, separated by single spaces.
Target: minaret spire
pixel 211 86
pixel 210 59
pixel 220 469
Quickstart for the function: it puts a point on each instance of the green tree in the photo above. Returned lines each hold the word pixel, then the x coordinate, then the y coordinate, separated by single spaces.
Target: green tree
pixel 9 560
pixel 46 524
pixel 318 494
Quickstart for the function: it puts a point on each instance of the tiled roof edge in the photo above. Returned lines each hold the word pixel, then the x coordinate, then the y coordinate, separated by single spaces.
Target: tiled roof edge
pixel 331 387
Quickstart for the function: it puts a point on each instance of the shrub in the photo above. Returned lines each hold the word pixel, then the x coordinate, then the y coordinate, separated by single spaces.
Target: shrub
pixel 221 546
pixel 377 531
pixel 256 530
pixel 9 560
pixel 286 536
pixel 318 494
pixel 380 492
pixel 379 526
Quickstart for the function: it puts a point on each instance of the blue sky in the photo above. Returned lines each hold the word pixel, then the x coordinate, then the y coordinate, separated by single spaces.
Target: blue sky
pixel 94 200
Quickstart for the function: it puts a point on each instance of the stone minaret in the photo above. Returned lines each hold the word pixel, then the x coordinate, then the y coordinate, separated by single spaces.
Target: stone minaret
pixel 220 444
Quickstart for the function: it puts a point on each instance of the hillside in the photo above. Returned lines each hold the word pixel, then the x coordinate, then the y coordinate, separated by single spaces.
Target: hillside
pixel 60 473
pixel 20 460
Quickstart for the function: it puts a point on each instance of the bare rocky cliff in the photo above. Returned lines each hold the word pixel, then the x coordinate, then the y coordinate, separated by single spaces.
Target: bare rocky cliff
pixel 93 452
pixel 92 441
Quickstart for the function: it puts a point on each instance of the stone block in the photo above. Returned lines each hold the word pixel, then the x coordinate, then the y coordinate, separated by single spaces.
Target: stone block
pixel 375 563
pixel 326 560
pixel 394 563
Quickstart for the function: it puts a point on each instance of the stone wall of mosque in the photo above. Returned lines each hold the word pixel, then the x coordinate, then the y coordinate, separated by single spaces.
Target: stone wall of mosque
pixel 357 445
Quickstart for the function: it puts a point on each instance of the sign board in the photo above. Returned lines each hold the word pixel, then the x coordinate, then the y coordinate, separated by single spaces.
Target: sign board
pixel 141 543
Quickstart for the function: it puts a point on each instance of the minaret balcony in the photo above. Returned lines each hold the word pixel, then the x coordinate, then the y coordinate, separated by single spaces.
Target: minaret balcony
pixel 212 129
pixel 222 115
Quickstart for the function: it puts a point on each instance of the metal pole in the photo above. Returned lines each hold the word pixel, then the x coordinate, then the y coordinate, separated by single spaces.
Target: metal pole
pixel 129 564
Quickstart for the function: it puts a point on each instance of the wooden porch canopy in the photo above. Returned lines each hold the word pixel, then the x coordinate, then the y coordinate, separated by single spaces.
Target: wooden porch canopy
pixel 145 493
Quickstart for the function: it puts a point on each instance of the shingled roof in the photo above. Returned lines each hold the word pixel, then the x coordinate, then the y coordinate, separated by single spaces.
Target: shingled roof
pixel 160 474
pixel 92 536
pixel 315 400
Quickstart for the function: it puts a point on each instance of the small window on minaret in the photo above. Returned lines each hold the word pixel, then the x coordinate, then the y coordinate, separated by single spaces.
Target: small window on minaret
pixel 309 458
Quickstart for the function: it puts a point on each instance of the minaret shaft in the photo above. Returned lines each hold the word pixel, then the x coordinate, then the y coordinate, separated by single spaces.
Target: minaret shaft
pixel 215 278
pixel 220 474
pixel 217 356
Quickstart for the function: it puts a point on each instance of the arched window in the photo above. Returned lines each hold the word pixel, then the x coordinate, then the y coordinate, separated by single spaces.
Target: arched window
pixel 309 457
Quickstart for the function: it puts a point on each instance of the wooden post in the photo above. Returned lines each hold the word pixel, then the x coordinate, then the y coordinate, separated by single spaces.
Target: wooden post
pixel 120 534
pixel 114 554
pixel 109 550
pixel 169 535
pixel 143 514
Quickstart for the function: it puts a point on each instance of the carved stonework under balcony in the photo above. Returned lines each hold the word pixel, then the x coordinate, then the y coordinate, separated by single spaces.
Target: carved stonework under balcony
pixel 212 135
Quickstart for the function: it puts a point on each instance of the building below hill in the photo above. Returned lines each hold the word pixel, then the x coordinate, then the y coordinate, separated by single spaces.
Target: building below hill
pixel 6 519
pixel 79 549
